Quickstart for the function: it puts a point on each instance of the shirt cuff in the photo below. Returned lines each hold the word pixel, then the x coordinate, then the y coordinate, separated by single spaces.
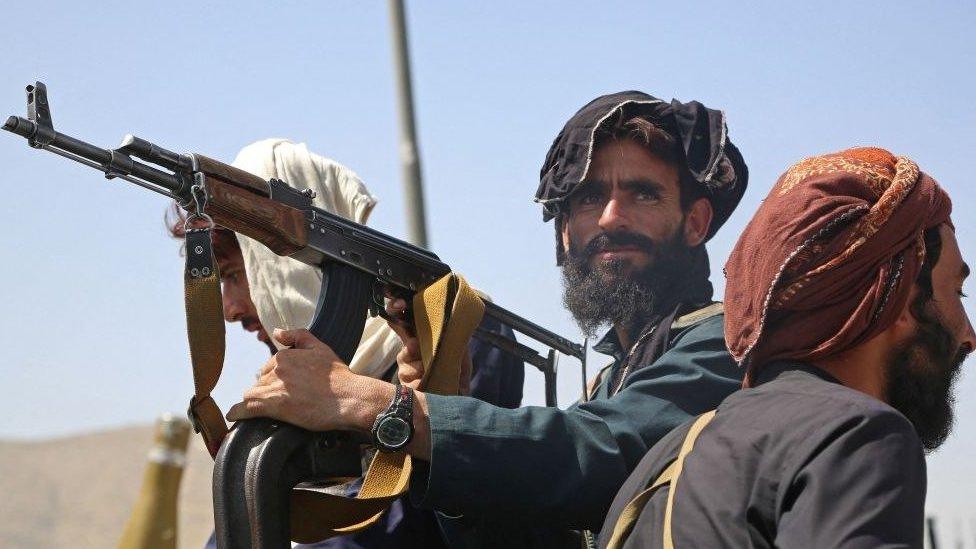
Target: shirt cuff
pixel 428 480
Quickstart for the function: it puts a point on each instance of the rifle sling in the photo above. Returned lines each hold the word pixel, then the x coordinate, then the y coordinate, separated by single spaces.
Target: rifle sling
pixel 205 331
pixel 446 314
pixel 668 477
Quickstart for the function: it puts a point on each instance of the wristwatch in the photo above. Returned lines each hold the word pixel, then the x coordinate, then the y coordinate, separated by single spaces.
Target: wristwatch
pixel 393 429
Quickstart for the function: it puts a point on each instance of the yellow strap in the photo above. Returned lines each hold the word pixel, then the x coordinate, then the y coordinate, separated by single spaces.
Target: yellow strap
pixel 686 447
pixel 205 331
pixel 446 314
pixel 628 517
pixel 631 512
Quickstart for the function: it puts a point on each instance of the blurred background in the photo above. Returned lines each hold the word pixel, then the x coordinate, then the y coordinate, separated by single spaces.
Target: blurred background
pixel 91 282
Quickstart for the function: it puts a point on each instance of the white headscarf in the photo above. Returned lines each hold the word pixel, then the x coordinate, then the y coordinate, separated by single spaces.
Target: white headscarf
pixel 284 290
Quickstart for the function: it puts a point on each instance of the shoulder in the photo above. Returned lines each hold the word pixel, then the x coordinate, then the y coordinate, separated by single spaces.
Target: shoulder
pixel 649 468
pixel 851 450
pixel 710 311
pixel 869 420
pixel 696 364
pixel 706 324
pixel 698 340
pixel 806 419
pixel 848 408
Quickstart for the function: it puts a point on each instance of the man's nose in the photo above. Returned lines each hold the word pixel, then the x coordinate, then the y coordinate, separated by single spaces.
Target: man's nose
pixel 233 307
pixel 614 216
pixel 969 340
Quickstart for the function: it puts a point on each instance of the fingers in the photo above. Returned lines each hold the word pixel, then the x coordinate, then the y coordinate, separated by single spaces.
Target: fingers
pixel 398 317
pixel 396 306
pixel 268 367
pixel 411 369
pixel 411 349
pixel 261 400
pixel 248 409
pixel 285 337
pixel 298 339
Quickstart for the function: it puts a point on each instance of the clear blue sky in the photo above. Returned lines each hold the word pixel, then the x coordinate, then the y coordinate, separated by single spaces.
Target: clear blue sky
pixel 91 284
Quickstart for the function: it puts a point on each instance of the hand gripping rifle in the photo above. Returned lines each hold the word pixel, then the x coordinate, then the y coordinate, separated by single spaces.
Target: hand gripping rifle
pixel 260 460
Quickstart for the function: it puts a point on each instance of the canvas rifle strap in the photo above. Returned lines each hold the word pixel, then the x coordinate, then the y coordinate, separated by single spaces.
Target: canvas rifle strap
pixel 205 329
pixel 446 314
pixel 628 517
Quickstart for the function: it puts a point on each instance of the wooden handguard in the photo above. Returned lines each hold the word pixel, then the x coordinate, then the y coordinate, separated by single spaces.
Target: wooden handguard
pixel 279 227
pixel 235 176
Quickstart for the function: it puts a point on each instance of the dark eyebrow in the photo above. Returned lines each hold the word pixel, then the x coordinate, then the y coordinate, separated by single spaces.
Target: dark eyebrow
pixel 642 184
pixel 590 185
pixel 964 270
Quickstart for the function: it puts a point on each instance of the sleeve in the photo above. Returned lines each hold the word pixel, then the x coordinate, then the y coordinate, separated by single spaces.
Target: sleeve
pixel 863 486
pixel 564 466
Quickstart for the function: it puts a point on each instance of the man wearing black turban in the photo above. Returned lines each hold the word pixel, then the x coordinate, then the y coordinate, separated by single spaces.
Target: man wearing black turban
pixel 636 186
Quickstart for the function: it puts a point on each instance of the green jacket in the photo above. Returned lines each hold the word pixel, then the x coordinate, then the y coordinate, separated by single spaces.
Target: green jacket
pixel 545 467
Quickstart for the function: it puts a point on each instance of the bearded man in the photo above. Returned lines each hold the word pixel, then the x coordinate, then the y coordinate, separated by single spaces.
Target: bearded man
pixel 264 291
pixel 843 303
pixel 637 185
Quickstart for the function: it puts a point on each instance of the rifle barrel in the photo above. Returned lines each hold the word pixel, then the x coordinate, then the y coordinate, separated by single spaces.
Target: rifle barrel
pixel 97 157
pixel 534 331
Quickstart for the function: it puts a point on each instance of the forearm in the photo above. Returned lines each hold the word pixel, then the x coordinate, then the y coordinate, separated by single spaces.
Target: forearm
pixel 564 466
pixel 547 465
pixel 370 398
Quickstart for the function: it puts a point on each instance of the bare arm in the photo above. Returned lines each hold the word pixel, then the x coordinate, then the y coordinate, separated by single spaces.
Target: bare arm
pixel 309 386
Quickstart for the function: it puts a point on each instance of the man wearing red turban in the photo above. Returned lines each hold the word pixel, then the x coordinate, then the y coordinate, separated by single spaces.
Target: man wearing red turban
pixel 843 303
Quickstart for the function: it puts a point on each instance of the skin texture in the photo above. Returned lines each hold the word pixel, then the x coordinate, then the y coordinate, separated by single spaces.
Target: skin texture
pixel 863 367
pixel 236 295
pixel 629 189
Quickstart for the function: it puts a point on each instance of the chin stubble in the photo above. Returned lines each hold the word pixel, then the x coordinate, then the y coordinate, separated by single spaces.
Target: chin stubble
pixel 607 294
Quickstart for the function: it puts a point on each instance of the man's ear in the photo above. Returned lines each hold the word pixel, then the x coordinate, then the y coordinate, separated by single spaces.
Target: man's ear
pixel 906 323
pixel 564 231
pixel 697 221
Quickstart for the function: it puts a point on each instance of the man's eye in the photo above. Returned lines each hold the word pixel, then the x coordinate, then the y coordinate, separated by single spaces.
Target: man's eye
pixel 646 195
pixel 962 294
pixel 589 200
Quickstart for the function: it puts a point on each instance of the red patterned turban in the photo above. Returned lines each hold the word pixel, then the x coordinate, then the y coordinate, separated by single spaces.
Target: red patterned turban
pixel 829 259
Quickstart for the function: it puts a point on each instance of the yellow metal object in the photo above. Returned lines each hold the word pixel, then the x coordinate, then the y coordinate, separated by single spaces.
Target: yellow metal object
pixel 152 524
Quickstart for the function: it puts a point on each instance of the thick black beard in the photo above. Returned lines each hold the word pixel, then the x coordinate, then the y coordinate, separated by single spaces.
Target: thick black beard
pixel 607 295
pixel 920 377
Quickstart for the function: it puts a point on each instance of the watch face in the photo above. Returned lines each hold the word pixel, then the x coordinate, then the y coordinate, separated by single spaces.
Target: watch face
pixel 393 432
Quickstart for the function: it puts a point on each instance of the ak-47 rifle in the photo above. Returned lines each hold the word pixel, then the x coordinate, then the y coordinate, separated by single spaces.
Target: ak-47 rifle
pixel 359 266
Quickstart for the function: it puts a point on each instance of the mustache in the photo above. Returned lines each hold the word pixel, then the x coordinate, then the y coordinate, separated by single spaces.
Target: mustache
pixel 960 357
pixel 250 322
pixel 618 238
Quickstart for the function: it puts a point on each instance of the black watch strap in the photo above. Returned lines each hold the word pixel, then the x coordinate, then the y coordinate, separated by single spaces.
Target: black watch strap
pixel 402 404
pixel 393 429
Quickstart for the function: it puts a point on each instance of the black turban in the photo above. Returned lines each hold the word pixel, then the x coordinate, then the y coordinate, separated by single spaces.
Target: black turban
pixel 711 159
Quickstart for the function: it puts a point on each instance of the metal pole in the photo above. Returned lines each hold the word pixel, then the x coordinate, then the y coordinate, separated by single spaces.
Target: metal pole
pixel 409 155
pixel 933 538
